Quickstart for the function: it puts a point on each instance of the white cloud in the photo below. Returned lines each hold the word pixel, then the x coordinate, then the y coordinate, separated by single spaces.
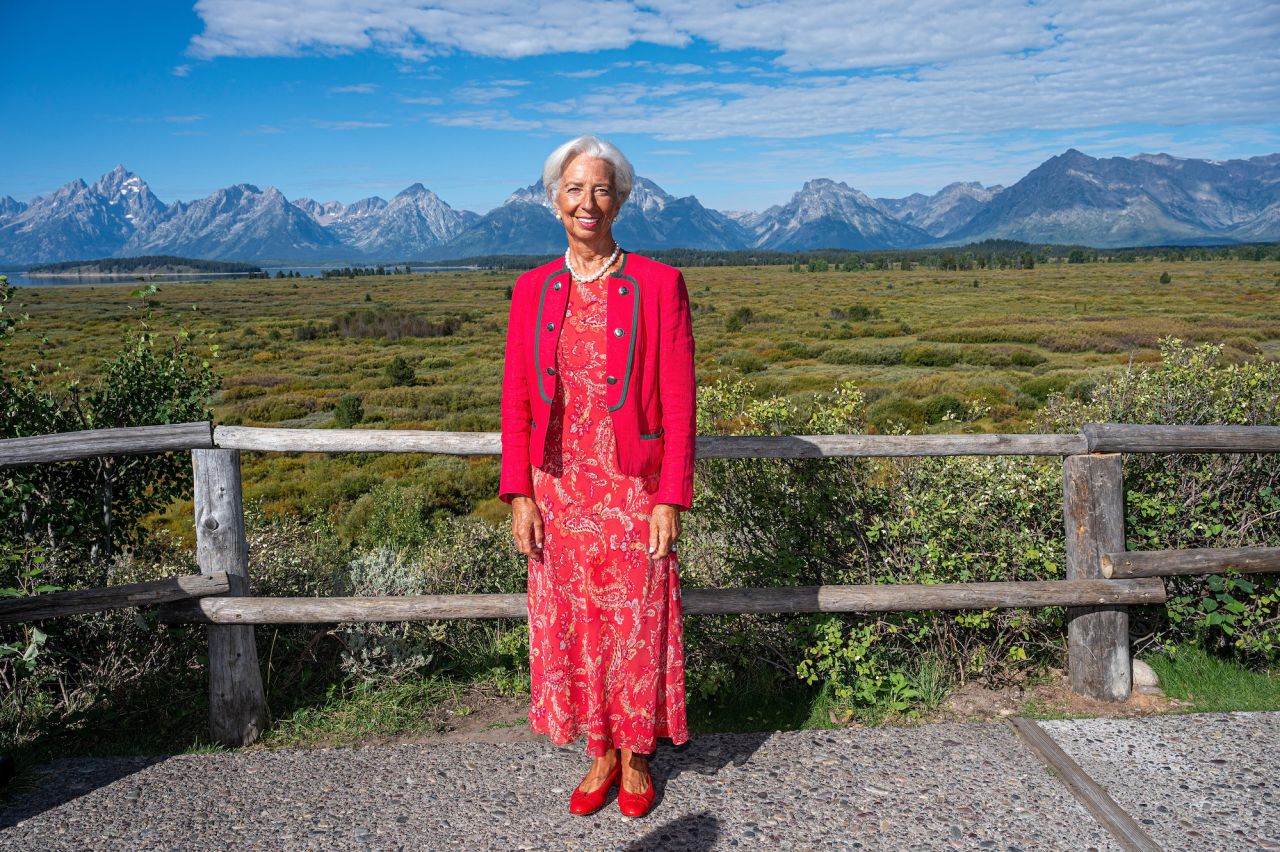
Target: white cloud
pixel 181 70
pixel 427 100
pixel 416 30
pixel 354 89
pixel 483 93
pixel 906 67
pixel 183 119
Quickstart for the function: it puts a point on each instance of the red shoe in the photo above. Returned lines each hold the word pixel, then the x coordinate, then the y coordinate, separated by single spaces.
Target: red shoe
pixel 635 804
pixel 582 804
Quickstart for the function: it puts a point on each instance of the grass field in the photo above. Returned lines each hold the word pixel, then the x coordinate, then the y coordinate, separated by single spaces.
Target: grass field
pixel 932 350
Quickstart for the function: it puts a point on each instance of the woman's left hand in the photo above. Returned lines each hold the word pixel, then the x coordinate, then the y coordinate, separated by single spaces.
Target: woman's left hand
pixel 664 529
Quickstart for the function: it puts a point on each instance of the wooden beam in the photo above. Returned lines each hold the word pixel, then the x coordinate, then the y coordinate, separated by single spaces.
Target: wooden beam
pixel 1202 560
pixel 150 593
pixel 1115 819
pixel 87 443
pixel 874 598
pixel 357 440
pixel 237 704
pixel 709 446
pixel 823 446
pixel 1097 636
pixel 1144 438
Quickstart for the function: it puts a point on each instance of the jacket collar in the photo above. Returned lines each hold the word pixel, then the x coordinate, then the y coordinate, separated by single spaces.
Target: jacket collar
pixel 622 326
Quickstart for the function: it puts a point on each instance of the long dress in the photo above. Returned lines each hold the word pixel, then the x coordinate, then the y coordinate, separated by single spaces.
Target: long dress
pixel 606 644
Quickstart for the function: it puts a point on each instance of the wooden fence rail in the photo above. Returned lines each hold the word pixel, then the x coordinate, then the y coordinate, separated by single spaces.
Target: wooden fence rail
pixel 877 598
pixel 151 593
pixel 1102 578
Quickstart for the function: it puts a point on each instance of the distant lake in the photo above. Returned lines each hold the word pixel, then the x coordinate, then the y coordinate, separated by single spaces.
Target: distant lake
pixel 24 279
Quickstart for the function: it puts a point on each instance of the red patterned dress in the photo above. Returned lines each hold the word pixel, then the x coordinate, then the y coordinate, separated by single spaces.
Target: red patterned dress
pixel 606 640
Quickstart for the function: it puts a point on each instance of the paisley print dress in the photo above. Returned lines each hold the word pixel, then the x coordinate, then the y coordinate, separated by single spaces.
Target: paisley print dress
pixel 606 647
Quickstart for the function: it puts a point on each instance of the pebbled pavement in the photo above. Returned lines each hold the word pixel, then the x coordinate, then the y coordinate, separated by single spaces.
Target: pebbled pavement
pixel 1195 782
pixel 944 786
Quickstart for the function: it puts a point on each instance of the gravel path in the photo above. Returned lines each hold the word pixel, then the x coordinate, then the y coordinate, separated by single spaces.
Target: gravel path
pixel 1201 781
pixel 945 786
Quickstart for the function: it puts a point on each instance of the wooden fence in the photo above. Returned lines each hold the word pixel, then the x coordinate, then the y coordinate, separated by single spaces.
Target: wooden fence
pixel 1103 580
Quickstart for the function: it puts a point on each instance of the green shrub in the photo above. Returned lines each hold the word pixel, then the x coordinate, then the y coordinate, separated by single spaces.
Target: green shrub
pixel 736 320
pixel 929 356
pixel 896 412
pixel 943 406
pixel 1040 387
pixel 273 410
pixel 1197 500
pixel 787 522
pixel 348 412
pixel 1026 358
pixel 882 355
pixel 400 372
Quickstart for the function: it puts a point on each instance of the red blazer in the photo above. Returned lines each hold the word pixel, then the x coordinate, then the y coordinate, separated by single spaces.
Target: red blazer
pixel 649 387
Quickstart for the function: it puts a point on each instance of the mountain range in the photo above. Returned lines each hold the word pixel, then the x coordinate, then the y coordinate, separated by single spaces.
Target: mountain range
pixel 1072 198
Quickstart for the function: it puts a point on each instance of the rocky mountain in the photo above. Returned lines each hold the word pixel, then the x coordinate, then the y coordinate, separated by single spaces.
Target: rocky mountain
pixel 654 219
pixel 240 222
pixel 79 220
pixel 827 214
pixel 330 212
pixel 412 225
pixel 1071 198
pixel 1143 200
pixel 519 226
pixel 651 219
pixel 10 208
pixel 950 208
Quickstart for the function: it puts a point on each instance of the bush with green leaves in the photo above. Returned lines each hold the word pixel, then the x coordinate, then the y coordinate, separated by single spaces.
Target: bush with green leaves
pixel 1197 500
pixel 348 412
pixel 804 522
pixel 400 371
pixel 67 524
pixel 788 522
pixel 95 505
pixel 460 556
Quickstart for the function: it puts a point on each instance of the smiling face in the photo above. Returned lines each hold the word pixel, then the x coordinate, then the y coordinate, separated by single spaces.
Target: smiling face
pixel 586 199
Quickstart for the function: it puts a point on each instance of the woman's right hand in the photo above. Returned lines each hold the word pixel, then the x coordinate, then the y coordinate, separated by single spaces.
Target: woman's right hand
pixel 526 526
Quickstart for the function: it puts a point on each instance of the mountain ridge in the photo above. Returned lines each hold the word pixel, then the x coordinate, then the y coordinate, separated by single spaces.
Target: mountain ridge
pixel 1071 198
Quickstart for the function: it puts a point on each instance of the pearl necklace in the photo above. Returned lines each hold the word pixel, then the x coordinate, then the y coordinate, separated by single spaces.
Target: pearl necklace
pixel 582 279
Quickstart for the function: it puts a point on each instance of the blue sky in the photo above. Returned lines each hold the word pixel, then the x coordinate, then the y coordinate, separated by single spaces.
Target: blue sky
pixel 736 102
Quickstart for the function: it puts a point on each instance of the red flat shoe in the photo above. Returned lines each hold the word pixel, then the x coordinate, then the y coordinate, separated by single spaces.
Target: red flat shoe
pixel 635 804
pixel 582 804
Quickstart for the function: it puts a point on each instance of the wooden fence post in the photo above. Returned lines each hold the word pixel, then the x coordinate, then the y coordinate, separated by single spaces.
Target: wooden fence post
pixel 1097 636
pixel 237 705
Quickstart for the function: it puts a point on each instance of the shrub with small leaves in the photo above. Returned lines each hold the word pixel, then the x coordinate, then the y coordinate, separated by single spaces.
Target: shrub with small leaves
pixel 348 412
pixel 400 371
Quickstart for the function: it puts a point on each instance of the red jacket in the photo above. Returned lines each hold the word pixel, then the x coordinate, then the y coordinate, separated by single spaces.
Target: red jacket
pixel 649 387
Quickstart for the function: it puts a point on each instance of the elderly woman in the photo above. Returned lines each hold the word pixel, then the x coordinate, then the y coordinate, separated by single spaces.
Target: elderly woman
pixel 598 435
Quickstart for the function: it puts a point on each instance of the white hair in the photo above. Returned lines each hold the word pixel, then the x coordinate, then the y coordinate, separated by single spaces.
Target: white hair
pixel 623 175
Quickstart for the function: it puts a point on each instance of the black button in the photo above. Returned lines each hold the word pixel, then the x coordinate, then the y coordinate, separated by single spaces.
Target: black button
pixel 617 332
pixel 557 287
pixel 551 326
pixel 622 291
pixel 613 380
pixel 551 371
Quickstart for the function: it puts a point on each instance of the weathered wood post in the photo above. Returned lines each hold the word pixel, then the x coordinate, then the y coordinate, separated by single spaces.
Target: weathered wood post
pixel 237 705
pixel 1097 636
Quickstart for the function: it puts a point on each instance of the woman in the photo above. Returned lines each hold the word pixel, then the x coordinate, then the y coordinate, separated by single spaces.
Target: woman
pixel 598 438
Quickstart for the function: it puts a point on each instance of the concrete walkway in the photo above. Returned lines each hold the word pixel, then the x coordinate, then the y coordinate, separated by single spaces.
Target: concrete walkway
pixel 1205 781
